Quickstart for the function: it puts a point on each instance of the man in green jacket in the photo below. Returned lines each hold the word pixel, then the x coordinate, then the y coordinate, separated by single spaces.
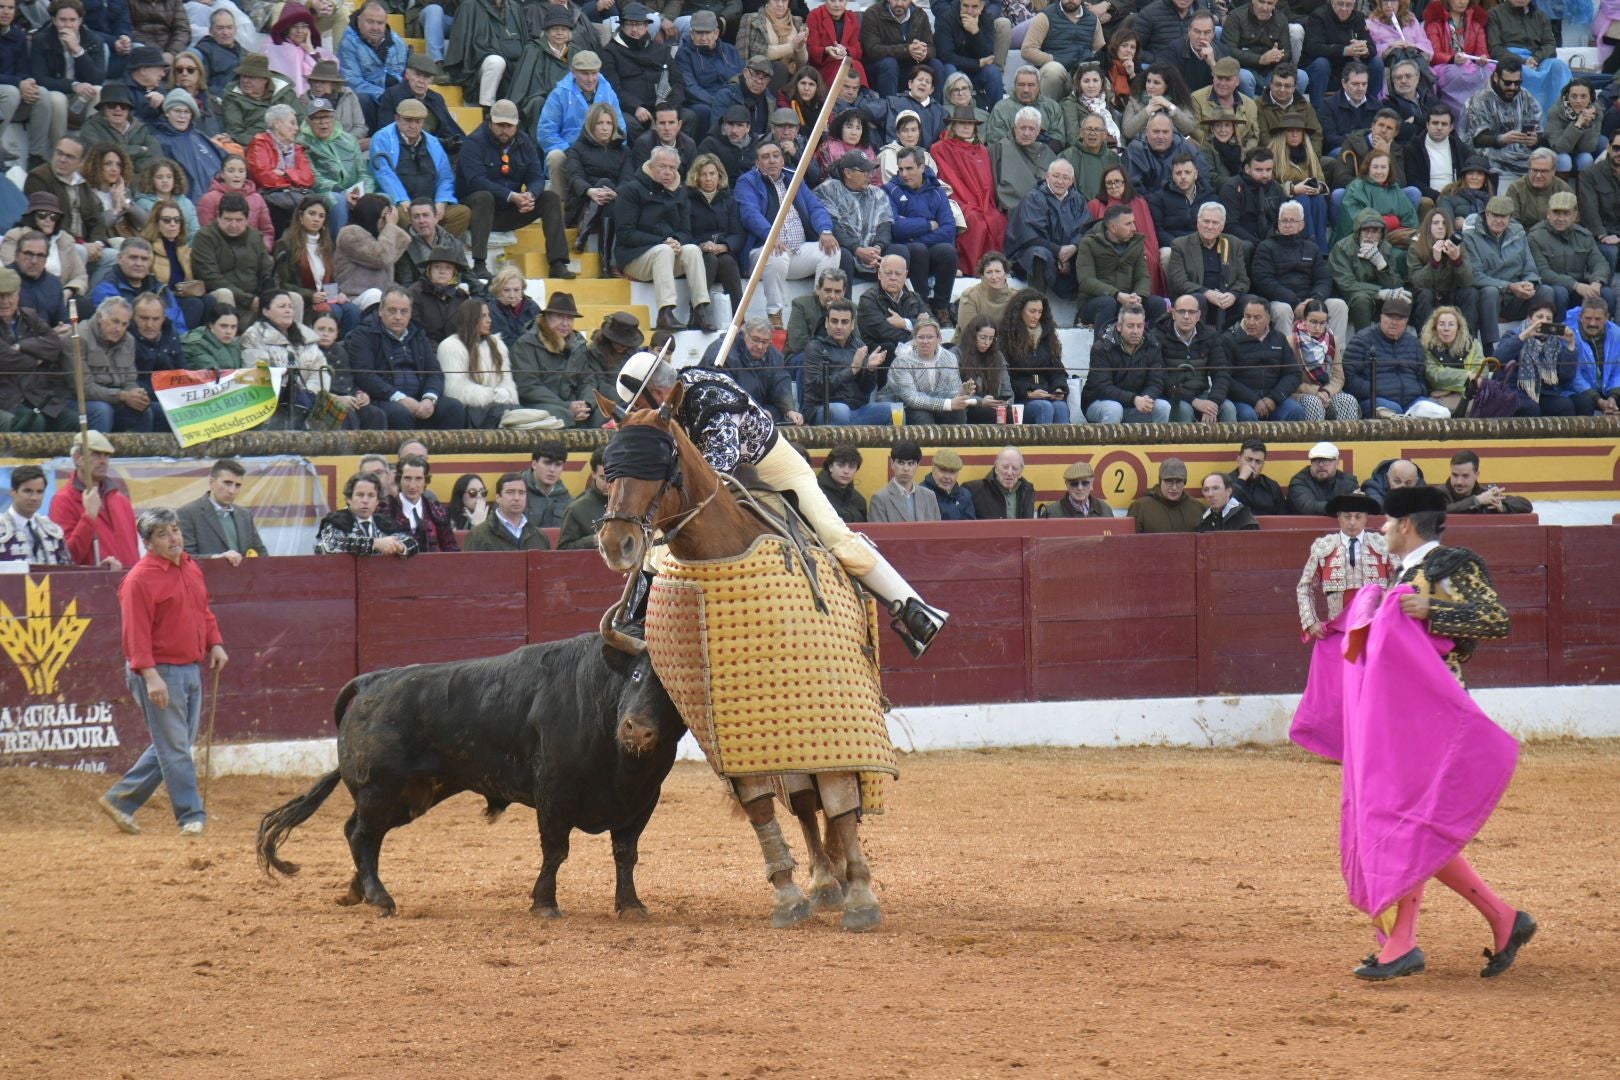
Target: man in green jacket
pixel 509 527
pixel 579 520
pixel 1110 269
pixel 1167 508
pixel 115 123
pixel 1568 256
pixel 1363 269
pixel 341 172
pixel 253 91
pixel 229 258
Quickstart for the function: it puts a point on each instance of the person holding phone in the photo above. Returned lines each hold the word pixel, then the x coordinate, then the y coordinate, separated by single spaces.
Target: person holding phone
pixel 1547 366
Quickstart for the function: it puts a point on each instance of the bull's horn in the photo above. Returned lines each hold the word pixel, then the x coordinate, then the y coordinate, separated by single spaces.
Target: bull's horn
pixel 621 641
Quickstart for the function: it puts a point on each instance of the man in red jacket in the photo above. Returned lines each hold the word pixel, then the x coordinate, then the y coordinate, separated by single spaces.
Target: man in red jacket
pixel 99 522
pixel 168 630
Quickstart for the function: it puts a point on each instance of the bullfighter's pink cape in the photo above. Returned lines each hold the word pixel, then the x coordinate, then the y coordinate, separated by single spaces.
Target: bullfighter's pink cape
pixel 1423 765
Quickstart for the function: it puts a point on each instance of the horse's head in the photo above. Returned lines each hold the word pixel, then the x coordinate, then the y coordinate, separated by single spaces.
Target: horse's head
pixel 645 483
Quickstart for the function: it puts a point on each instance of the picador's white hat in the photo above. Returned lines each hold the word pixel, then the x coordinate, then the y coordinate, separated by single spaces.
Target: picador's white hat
pixel 636 371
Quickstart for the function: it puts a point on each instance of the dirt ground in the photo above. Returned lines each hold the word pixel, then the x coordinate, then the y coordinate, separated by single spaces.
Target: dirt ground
pixel 1149 913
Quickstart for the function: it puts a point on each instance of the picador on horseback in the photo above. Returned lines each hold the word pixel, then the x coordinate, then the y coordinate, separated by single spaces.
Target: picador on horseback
pixel 731 429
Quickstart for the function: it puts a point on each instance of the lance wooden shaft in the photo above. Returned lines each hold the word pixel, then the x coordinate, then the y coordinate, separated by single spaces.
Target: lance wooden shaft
pixel 811 143
pixel 86 472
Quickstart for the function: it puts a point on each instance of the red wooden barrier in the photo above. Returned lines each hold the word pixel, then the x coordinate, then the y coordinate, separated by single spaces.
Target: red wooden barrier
pixel 1040 611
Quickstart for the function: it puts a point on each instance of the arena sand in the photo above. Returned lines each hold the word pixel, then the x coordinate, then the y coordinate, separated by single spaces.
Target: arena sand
pixel 1140 913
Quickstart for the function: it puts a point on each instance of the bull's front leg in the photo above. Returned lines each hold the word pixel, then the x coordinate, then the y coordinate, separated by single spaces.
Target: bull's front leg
pixel 625 841
pixel 553 853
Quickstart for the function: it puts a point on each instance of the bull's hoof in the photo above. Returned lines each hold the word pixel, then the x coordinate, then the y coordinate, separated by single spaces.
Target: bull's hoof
pixel 633 912
pixel 546 911
pixel 859 920
pixel 349 899
pixel 790 914
pixel 828 898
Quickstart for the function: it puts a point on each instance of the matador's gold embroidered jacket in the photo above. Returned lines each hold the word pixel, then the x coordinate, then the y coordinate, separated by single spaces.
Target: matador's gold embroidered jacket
pixel 1463 604
pixel 1329 566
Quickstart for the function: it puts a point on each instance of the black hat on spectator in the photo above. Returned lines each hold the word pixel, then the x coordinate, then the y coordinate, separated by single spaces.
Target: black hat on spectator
pixel 634 12
pixel 144 56
pixel 737 114
pixel 561 303
pixel 855 160
pixel 1475 163
pixel 555 16
pixel 623 329
pixel 1423 499
pixel 1356 502
pixel 963 114
pixel 115 94
pixel 422 64
pixel 905 450
pixel 43 202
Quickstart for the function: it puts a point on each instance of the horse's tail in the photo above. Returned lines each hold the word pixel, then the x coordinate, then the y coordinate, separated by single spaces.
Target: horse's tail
pixel 281 821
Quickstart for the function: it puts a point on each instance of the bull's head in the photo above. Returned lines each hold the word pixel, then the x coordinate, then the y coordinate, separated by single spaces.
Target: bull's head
pixel 647 716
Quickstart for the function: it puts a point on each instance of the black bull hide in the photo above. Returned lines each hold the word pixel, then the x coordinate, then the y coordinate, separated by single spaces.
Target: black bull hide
pixel 581 732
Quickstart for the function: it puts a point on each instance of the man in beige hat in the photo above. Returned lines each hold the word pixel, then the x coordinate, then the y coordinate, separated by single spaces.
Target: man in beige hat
pixel 1222 93
pixel 955 501
pixel 253 91
pixel 540 362
pixel 1568 256
pixel 1080 500
pixel 500 178
pixel 1498 250
pixel 410 164
pixel 99 521
pixel 563 117
pixel 417 84
pixel 327 81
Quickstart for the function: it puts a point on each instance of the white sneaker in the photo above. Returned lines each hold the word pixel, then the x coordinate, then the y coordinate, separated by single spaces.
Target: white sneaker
pixel 125 822
pixel 191 828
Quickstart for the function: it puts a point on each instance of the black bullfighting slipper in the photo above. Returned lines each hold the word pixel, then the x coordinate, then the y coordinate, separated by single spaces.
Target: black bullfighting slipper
pixel 1410 964
pixel 1524 928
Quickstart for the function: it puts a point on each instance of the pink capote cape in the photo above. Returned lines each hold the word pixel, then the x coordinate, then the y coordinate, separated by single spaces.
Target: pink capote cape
pixel 1423 765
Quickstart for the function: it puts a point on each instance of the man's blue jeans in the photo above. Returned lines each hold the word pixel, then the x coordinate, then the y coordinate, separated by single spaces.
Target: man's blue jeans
pixel 435 29
pixel 873 412
pixel 168 760
pixel 1288 410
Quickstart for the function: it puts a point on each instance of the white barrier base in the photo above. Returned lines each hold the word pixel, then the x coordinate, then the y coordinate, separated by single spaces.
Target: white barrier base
pixel 1530 712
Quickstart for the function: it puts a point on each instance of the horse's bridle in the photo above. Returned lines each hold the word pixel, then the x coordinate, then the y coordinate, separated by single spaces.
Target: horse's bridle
pixel 673 478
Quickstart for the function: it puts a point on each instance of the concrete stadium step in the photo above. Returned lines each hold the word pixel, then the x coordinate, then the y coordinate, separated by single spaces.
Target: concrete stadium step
pixel 468 116
pixel 588 265
pixel 593 291
pixel 396 23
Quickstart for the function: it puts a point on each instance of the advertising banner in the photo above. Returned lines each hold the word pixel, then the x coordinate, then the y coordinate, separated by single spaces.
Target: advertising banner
pixel 203 405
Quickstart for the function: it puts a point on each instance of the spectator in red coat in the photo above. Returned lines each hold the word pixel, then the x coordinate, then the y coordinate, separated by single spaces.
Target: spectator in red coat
pixel 413 505
pixel 835 32
pixel 99 521
pixel 279 166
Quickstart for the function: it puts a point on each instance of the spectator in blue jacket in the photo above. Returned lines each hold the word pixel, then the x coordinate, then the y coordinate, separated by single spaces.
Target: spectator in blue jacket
pixel 955 501
pixel 133 276
pixel 759 195
pixel 502 183
pixel 759 368
pixel 1390 348
pixel 1597 347
pixel 220 51
pixel 372 57
pixel 563 117
pixel 398 368
pixel 14 79
pixel 410 164
pixel 924 226
pixel 707 64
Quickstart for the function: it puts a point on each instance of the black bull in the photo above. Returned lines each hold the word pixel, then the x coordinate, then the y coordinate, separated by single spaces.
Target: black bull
pixel 582 733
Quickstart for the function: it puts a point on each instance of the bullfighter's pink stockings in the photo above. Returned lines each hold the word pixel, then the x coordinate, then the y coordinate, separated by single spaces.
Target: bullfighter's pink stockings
pixel 1461 878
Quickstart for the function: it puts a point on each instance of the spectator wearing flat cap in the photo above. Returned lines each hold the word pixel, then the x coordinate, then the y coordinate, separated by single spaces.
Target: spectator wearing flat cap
pixel 417 85
pixel 902 498
pixel 955 501
pixel 341 174
pixel 1568 256
pixel 641 69
pixel 862 215
pixel 1080 499
pixel 254 90
pixel 563 117
pixel 752 91
pixel 777 33
pixel 1167 508
pixel 558 31
pixel 1389 354
pixel 732 142
pixel 501 181
pixel 707 65
pixel 410 164
pixel 1319 482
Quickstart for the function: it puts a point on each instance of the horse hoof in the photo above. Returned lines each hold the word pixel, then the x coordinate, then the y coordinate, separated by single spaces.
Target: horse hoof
pixel 828 898
pixel 859 920
pixel 349 899
pixel 792 915
pixel 633 912
pixel 545 911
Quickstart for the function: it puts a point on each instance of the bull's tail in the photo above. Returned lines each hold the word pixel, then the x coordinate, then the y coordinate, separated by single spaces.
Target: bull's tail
pixel 281 821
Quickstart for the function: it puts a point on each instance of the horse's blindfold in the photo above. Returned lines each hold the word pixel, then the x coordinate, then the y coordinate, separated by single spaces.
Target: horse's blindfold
pixel 641 452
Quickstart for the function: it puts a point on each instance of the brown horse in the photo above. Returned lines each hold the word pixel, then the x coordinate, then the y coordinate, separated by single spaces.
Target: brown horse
pixel 700 520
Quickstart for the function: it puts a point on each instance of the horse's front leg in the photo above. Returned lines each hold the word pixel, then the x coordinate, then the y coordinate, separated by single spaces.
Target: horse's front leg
pixel 792 907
